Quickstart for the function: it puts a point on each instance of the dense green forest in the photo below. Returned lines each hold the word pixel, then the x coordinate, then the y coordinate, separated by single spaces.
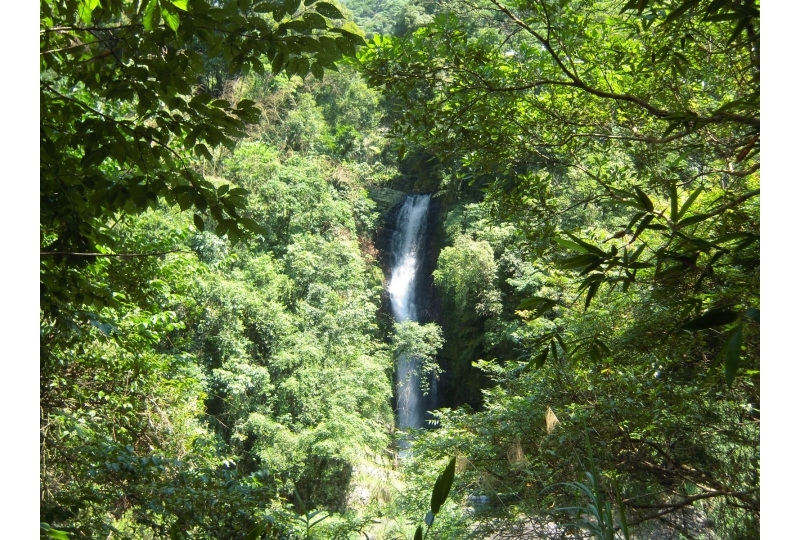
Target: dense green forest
pixel 221 189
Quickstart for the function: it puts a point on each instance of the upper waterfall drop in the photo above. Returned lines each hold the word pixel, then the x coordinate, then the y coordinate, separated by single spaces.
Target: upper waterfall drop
pixel 407 247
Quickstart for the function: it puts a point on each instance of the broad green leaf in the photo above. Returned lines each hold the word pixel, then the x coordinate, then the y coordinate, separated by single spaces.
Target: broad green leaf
pixel 317 70
pixel 201 150
pixel 753 314
pixel 441 489
pixel 291 6
pixel 264 7
pixel 86 9
pixel 710 319
pixel 151 15
pixel 328 10
pixel 171 18
pixel 315 20
pixel 199 223
pixel 418 534
pixel 181 4
pixel 277 62
pixel 346 47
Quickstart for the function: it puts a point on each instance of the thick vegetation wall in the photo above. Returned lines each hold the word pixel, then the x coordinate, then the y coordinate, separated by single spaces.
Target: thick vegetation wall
pixel 218 182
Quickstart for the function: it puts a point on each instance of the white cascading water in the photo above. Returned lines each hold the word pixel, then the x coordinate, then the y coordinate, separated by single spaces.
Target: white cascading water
pixel 407 246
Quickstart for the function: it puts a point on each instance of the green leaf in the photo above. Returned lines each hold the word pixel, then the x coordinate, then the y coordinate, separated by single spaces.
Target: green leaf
pixel 300 502
pixel 86 9
pixel 579 261
pixel 328 10
pixel 201 150
pixel 317 70
pixel 697 218
pixel 199 223
pixel 733 353
pixel 553 349
pixel 710 319
pixel 642 226
pixel 264 7
pixel 754 314
pixel 50 532
pixel 277 62
pixel 562 344
pixel 636 217
pixel 635 254
pixel 315 20
pixel 673 203
pixel 291 6
pixel 442 486
pixel 181 4
pixel 418 534
pixel 539 304
pixel 253 225
pixel 644 199
pixel 590 294
pixel 171 18
pixel 539 361
pixel 151 15
pixel 587 245
pixel 569 245
pixel 688 203
pixel 680 10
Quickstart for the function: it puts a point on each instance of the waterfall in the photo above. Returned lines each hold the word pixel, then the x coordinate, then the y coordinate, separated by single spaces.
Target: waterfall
pixel 407 249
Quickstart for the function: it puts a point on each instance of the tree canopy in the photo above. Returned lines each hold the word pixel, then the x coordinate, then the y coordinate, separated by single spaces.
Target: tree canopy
pixel 217 354
pixel 131 91
pixel 616 146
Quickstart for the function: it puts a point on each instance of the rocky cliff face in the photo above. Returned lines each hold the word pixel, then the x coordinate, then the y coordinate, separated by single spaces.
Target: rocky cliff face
pixel 385 198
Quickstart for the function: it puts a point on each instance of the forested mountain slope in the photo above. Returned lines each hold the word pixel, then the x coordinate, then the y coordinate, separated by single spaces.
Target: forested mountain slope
pixel 610 272
pixel 216 349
